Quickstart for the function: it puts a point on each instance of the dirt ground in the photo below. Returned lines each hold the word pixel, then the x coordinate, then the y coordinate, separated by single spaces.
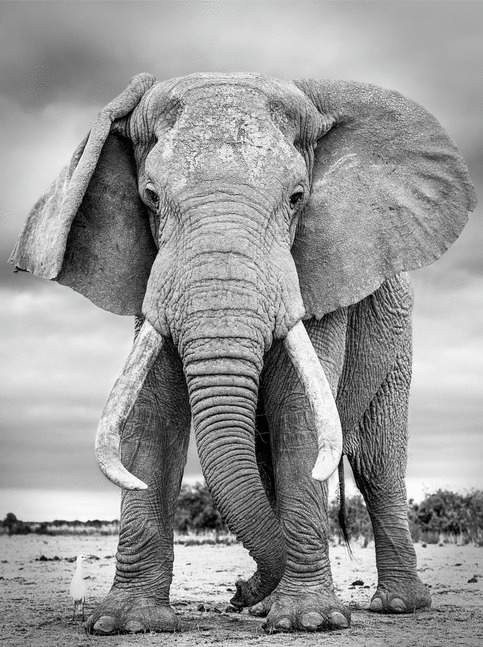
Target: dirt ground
pixel 35 608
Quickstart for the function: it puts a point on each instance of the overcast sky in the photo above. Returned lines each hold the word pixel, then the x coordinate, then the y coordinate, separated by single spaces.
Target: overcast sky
pixel 60 63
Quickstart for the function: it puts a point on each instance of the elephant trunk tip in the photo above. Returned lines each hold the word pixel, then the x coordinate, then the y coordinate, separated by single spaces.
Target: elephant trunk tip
pixel 249 592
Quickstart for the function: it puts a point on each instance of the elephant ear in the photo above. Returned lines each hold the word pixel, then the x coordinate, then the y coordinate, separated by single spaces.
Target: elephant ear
pixel 390 192
pixel 90 230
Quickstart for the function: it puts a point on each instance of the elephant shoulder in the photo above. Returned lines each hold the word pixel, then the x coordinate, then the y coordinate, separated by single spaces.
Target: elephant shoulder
pixel 387 311
pixel 377 332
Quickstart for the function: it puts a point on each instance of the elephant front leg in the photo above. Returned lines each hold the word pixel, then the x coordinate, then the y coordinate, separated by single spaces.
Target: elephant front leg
pixel 154 448
pixel 305 599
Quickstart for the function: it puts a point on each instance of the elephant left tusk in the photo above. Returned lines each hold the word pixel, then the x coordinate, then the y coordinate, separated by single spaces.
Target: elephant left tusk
pixel 144 352
pixel 318 391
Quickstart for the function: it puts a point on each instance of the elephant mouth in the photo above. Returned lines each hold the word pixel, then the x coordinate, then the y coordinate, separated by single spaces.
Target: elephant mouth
pixel 145 350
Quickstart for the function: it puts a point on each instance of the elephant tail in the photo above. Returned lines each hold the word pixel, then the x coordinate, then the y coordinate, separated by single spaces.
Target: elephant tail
pixel 342 516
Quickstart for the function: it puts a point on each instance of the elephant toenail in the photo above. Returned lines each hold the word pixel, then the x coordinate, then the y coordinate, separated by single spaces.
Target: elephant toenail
pixel 338 620
pixel 105 625
pixel 376 605
pixel 283 624
pixel 397 605
pixel 312 621
pixel 257 610
pixel 134 627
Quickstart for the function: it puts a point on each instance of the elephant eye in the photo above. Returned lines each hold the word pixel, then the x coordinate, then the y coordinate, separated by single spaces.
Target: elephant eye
pixel 295 198
pixel 153 197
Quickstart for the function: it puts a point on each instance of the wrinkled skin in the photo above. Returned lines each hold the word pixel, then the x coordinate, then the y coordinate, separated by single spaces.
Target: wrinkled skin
pixel 225 171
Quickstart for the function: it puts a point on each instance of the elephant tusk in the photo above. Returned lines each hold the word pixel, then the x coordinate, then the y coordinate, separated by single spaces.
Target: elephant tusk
pixel 321 399
pixel 146 348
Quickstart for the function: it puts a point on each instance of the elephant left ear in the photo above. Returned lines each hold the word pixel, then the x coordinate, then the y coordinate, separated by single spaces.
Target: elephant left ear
pixel 390 192
pixel 90 230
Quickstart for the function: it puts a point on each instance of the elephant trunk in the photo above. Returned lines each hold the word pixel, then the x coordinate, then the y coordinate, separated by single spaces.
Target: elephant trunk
pixel 223 395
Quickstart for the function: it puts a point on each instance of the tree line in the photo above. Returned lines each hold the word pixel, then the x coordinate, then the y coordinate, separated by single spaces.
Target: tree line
pixel 441 516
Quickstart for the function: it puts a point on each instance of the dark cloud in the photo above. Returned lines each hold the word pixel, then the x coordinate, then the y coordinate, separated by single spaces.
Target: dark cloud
pixel 55 51
pixel 89 50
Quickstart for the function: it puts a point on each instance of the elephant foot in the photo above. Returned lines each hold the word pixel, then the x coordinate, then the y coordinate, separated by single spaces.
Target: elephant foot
pixel 314 611
pixel 121 612
pixel 395 596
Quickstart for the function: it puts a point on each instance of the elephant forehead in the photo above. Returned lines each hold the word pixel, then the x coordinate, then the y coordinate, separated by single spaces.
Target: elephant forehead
pixel 221 135
pixel 184 90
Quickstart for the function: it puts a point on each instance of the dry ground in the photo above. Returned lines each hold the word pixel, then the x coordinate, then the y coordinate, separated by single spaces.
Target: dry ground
pixel 35 608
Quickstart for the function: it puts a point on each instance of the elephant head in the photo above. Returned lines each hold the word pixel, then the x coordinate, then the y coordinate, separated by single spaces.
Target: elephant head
pixel 225 209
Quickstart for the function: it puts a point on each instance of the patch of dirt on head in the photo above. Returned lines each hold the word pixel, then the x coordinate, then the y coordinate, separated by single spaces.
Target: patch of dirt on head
pixel 36 610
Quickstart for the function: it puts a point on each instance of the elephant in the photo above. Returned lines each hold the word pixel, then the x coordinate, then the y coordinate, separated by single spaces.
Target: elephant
pixel 260 232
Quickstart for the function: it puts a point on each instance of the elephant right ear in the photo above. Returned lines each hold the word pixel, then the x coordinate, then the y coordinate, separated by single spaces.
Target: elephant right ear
pixel 390 193
pixel 90 230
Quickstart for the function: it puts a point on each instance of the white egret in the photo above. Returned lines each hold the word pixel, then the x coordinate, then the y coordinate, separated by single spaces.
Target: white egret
pixel 77 586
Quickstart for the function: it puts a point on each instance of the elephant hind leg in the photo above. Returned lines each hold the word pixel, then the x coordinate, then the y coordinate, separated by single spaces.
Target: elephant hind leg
pixel 377 453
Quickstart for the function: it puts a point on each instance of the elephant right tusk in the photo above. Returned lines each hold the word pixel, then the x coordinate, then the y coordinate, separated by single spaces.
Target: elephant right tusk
pixel 144 352
pixel 318 391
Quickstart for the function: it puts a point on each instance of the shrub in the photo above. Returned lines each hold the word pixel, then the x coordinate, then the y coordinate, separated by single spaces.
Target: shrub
pixel 196 512
pixel 358 521
pixel 441 516
pixel 451 515
pixel 430 537
pixel 13 526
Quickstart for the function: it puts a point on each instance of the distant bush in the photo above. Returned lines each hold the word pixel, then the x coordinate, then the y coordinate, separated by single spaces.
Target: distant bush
pixel 443 516
pixel 449 516
pixel 196 512
pixel 12 526
pixel 358 522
